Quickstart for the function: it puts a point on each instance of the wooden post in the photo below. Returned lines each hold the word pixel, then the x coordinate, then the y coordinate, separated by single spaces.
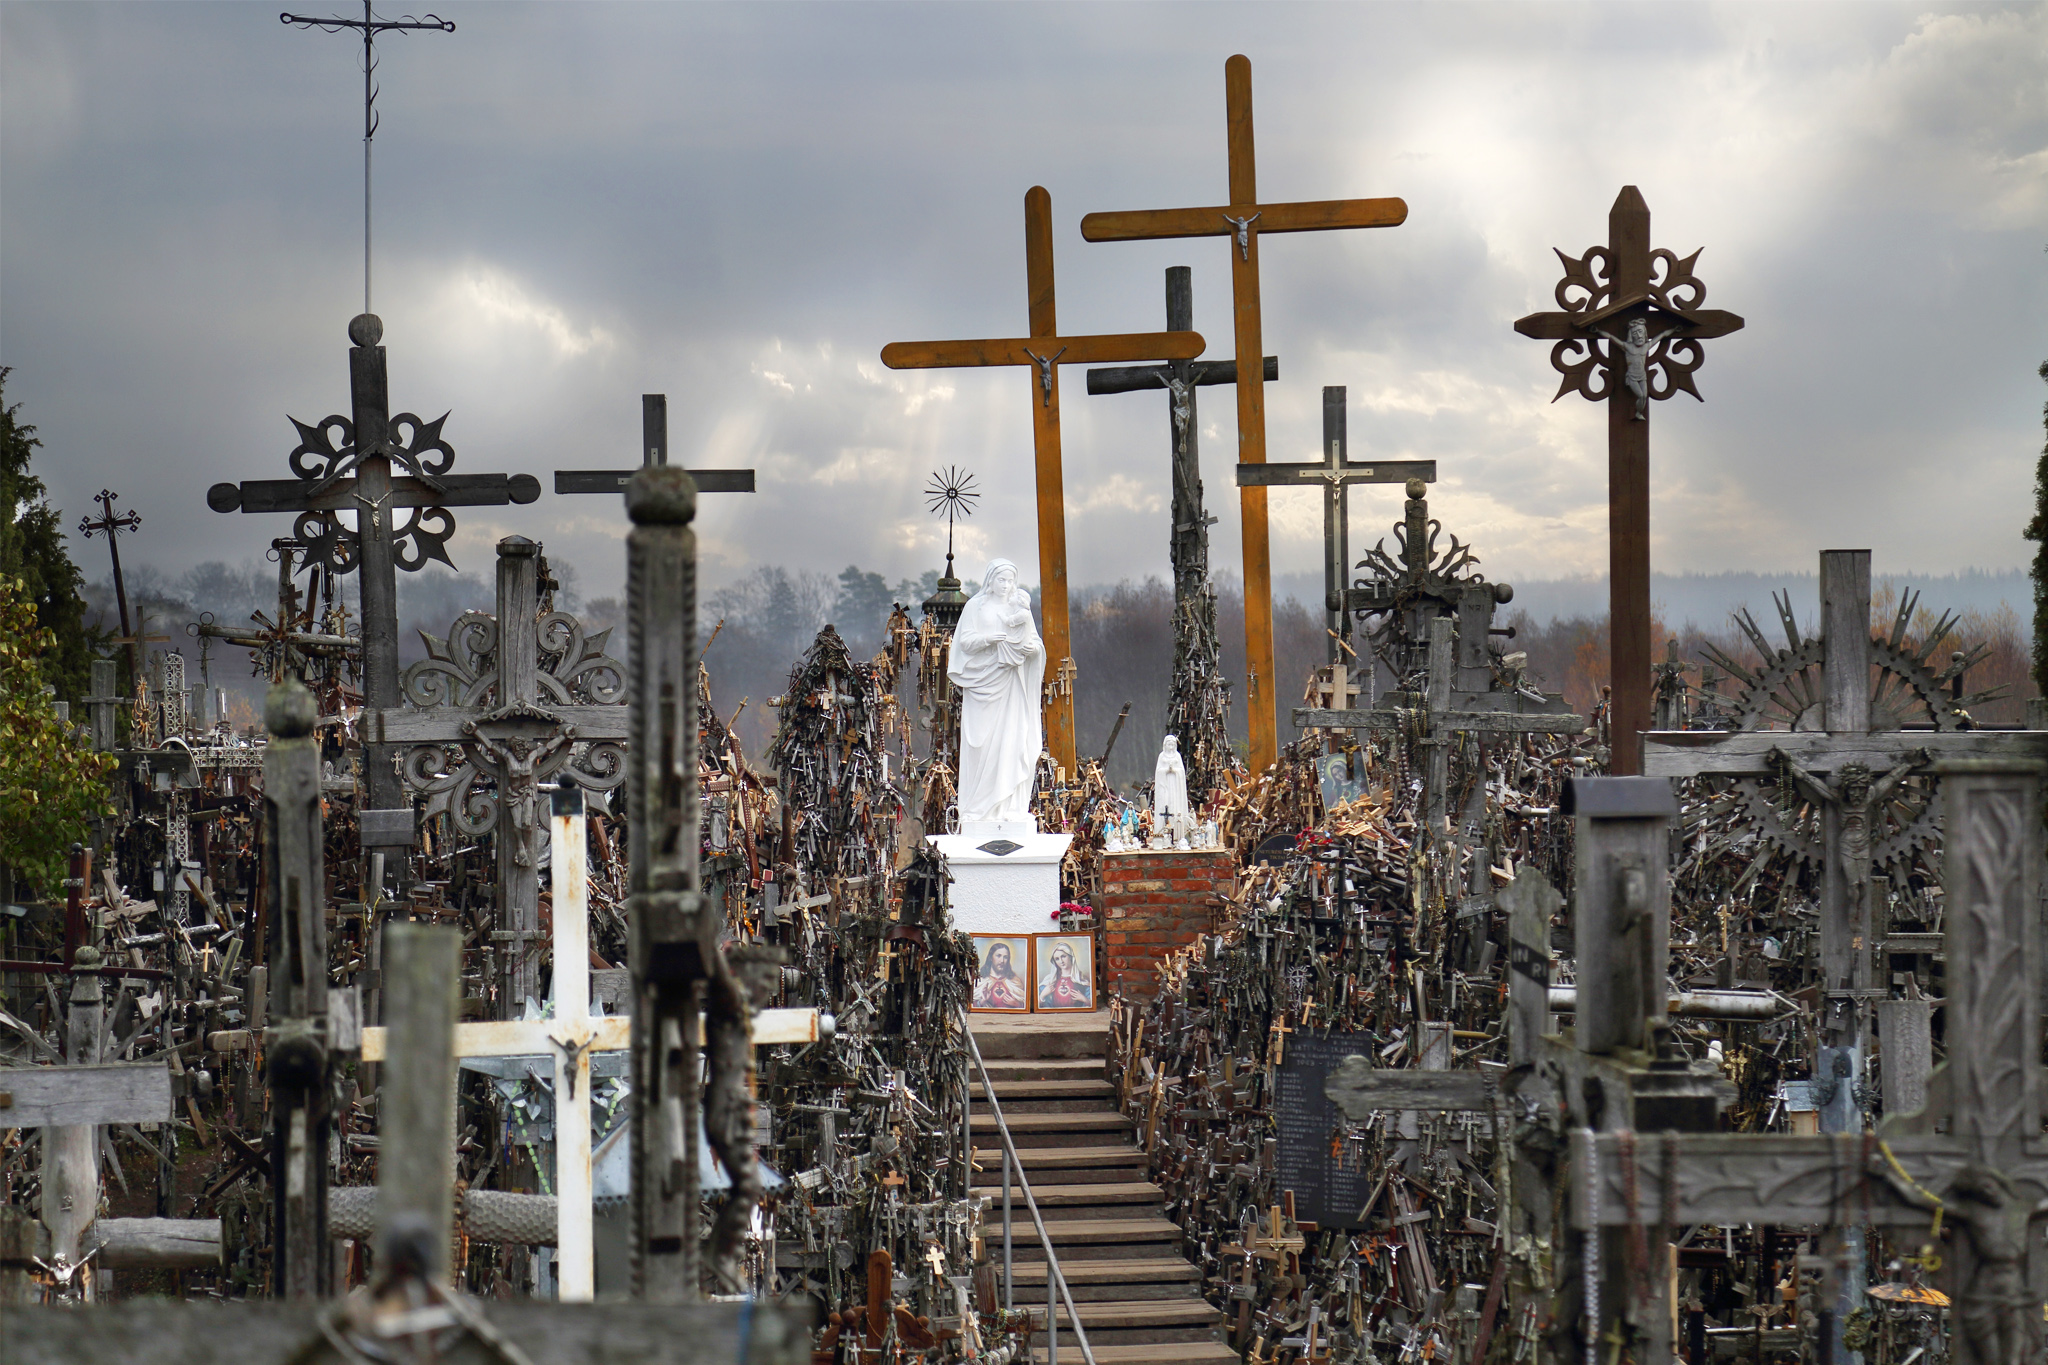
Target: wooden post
pixel 518 867
pixel 1442 631
pixel 1052 493
pixel 71 1154
pixel 1628 516
pixel 297 1060
pixel 575 1259
pixel 1530 901
pixel 416 1160
pixel 669 942
pixel 1621 908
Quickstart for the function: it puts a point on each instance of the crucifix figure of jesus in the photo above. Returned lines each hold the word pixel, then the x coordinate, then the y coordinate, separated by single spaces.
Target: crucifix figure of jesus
pixel 1045 350
pixel 1243 221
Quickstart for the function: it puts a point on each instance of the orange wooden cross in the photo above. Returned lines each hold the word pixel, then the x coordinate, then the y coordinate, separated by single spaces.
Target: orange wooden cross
pixel 1244 220
pixel 1045 350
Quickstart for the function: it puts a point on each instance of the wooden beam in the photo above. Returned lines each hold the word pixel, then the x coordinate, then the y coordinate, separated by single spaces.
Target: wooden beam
pixel 1720 753
pixel 1108 349
pixel 1317 215
pixel 82 1096
pixel 514 1038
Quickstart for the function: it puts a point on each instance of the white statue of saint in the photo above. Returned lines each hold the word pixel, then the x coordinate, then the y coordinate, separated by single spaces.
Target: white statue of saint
pixel 998 663
pixel 1169 781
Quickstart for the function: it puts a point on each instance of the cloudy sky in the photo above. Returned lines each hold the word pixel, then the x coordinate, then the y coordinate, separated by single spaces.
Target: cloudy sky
pixel 739 205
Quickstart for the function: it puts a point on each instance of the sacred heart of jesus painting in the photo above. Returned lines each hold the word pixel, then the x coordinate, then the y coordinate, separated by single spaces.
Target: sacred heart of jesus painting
pixel 1002 973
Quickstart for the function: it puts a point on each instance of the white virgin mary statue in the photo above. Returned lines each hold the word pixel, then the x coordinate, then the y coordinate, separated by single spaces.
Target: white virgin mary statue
pixel 998 663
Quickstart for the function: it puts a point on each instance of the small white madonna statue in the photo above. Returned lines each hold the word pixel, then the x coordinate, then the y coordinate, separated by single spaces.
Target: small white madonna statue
pixel 998 663
pixel 1170 791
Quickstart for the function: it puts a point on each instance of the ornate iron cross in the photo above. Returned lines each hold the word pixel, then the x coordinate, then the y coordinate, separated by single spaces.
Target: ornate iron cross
pixel 1629 332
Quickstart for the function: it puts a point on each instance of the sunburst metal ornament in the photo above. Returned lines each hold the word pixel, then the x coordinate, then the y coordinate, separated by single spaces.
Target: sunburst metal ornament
pixel 952 492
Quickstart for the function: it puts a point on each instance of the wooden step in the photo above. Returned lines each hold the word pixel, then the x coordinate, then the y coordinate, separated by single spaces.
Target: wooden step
pixel 1052 1130
pixel 1037 1036
pixel 1083 1239
pixel 1044 1166
pixel 1156 1353
pixel 1049 1096
pixel 1078 1200
pixel 1043 1069
pixel 1133 1322
pixel 1164 1277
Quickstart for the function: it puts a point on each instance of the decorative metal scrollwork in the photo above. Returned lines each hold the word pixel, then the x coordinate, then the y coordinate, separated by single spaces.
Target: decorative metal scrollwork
pixel 505 748
pixel 327 453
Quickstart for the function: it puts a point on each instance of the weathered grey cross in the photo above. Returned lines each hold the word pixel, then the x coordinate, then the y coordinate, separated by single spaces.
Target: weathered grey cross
pixel 654 451
pixel 1336 472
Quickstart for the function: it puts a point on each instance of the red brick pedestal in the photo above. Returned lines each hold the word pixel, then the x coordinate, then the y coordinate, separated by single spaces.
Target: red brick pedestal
pixel 1155 902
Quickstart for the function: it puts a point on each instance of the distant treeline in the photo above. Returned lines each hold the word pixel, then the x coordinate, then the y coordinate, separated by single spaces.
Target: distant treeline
pixel 759 624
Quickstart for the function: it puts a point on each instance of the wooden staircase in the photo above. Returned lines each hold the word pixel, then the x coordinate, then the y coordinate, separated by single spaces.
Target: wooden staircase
pixel 1140 1299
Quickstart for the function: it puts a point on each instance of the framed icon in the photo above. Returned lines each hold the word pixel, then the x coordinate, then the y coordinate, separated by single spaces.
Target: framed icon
pixel 1063 972
pixel 1002 974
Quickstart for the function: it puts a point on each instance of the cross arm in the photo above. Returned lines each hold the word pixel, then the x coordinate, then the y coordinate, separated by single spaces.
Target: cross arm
pixel 1318 215
pixel 1747 753
pixel 1704 325
pixel 456 490
pixel 1361 1090
pixel 1089 350
pixel 1134 378
pixel 1725 1178
pixel 443 725
pixel 611 1033
pixel 80 1096
pixel 1294 475
pixel 615 480
pixel 1491 722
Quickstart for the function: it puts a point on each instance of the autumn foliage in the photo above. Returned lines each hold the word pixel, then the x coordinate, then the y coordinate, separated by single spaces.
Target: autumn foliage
pixel 52 783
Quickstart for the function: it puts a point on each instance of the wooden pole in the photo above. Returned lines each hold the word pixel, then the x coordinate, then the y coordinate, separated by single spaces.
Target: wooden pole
pixel 575 1259
pixel 1628 513
pixel 1052 498
pixel 1262 696
pixel 416 1161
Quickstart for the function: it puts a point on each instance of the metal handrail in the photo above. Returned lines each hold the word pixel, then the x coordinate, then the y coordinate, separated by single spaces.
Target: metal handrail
pixel 1055 1278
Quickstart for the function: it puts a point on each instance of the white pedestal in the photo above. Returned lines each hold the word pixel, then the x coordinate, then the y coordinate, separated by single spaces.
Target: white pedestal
pixel 1006 877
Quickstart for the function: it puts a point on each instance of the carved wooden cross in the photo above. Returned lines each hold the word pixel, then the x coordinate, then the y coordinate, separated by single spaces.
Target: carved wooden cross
pixel 1336 472
pixel 486 711
pixel 361 465
pixel 1605 294
pixel 1988 1172
pixel 1244 220
pixel 654 451
pixel 1044 351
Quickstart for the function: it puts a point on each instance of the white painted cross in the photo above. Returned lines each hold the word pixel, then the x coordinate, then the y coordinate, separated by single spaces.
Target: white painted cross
pixel 572 1035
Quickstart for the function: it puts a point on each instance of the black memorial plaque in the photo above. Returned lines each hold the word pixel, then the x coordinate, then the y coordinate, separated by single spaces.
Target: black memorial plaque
pixel 1325 1194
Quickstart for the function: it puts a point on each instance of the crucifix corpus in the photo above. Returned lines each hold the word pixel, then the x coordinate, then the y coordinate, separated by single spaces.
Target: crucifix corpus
pixel 1244 220
pixel 1630 331
pixel 654 451
pixel 347 465
pixel 1336 472
pixel 1195 712
pixel 1044 351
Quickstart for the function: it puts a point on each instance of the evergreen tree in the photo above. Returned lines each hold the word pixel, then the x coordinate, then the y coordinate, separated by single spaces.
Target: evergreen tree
pixel 32 550
pixel 52 784
pixel 2037 530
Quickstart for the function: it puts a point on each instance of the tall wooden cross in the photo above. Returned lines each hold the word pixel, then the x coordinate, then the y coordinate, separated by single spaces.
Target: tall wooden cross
pixel 110 526
pixel 372 464
pixel 1198 719
pixel 484 711
pixel 1244 220
pixel 1044 351
pixel 654 451
pixel 1336 472
pixel 1630 332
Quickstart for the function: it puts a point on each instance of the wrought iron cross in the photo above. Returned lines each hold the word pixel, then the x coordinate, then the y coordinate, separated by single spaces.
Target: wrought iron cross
pixel 108 524
pixel 654 451
pixel 347 465
pixel 1630 332
pixel 369 26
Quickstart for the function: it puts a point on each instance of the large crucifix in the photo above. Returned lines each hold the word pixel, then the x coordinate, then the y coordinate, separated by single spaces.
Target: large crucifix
pixel 1336 472
pixel 347 464
pixel 653 451
pixel 111 526
pixel 1194 713
pixel 1044 351
pixel 1244 220
pixel 1634 316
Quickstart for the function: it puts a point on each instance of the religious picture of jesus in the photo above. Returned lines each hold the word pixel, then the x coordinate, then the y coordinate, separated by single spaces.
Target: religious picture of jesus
pixel 1066 972
pixel 1002 964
